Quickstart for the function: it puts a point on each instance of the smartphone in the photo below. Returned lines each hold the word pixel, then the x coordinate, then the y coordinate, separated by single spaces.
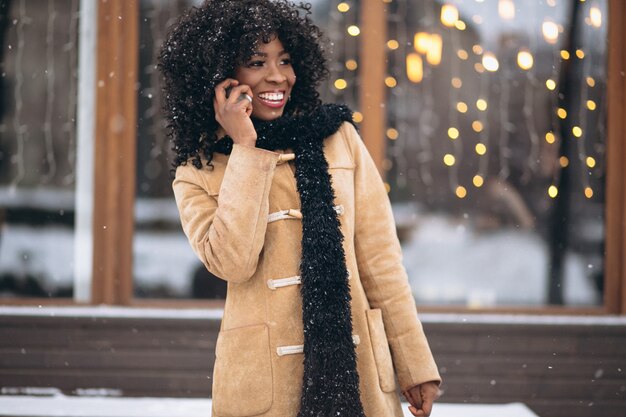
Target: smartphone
pixel 241 96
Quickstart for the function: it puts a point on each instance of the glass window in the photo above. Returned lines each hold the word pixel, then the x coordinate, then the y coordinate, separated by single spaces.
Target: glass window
pixel 164 264
pixel 38 90
pixel 496 149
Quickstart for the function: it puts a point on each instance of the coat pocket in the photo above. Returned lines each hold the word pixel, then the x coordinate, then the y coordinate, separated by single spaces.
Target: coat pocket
pixel 242 376
pixel 380 346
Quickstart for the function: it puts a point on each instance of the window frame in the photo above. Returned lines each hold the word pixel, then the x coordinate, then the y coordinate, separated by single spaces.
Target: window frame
pixel 115 159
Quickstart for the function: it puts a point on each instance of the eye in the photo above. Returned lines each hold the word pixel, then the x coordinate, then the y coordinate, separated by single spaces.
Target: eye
pixel 257 63
pixel 286 61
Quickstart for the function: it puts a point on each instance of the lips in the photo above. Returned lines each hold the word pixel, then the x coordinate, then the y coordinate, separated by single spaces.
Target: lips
pixel 273 99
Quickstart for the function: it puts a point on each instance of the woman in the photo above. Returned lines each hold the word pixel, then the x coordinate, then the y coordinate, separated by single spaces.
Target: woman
pixel 279 197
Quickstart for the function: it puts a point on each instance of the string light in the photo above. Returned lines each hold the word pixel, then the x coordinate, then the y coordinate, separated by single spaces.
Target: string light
pixel 462 54
pixel 414 67
pixel 561 112
pixel 393 44
pixel 553 191
pixel 357 117
pixel 590 81
pixel 525 59
pixel 351 65
pixel 591 105
pixel 343 7
pixel 580 53
pixel 564 54
pixel 490 62
pixel 456 82
pixel 341 84
pixel 564 161
pixel 390 82
pixel 591 162
pixel 550 31
pixel 449 159
pixel 480 148
pixel 478 181
pixel 461 192
pixel 550 138
pixel 435 46
pixel 481 104
pixel 461 107
pixel 550 84
pixel 354 30
pixel 392 133
pixel 460 25
pixel 506 9
pixel 577 131
pixel 449 15
pixel 453 133
pixel 595 15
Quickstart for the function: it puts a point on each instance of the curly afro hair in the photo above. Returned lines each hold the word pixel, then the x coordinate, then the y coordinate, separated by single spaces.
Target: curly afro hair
pixel 206 45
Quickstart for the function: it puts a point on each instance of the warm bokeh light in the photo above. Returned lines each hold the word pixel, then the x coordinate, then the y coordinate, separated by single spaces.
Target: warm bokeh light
pixel 453 133
pixel 525 59
pixel 481 104
pixel 480 148
pixel 580 53
pixel 550 84
pixel 478 19
pixel 564 54
pixel 550 31
pixel 421 42
pixel 595 15
pixel 461 192
pixel 462 54
pixel 506 9
pixel 591 105
pixel 490 62
pixel 477 49
pixel 591 82
pixel 435 45
pixel 553 191
pixel 588 192
pixel 449 15
pixel 449 160
pixel 351 64
pixel 461 107
pixel 393 44
pixel 591 162
pixel 456 82
pixel 478 67
pixel 357 116
pixel 477 126
pixel 414 67
pixel 550 138
pixel 354 30
pixel 478 181
pixel 563 161
pixel 392 133
pixel 460 25
pixel 340 84
pixel 390 82
pixel 343 7
pixel 577 131
pixel 561 112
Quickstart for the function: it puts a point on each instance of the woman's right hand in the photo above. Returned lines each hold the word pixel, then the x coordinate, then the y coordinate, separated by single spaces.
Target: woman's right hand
pixel 233 113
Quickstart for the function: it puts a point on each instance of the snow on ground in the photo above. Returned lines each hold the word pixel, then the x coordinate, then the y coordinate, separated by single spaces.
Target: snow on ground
pixel 60 405
pixel 450 263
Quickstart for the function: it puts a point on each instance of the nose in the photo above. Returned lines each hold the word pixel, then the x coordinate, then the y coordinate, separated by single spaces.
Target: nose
pixel 276 75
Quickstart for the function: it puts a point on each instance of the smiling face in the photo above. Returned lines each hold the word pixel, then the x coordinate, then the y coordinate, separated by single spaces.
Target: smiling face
pixel 271 77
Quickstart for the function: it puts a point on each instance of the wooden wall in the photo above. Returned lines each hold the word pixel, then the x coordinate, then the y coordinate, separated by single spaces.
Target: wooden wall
pixel 566 368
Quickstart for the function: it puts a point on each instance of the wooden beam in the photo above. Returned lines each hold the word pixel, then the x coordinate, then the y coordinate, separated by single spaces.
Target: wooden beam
pixel 115 149
pixel 372 69
pixel 615 271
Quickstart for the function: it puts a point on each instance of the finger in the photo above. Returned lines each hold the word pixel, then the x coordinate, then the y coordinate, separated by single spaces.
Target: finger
pixel 236 94
pixel 415 411
pixel 220 89
pixel 427 406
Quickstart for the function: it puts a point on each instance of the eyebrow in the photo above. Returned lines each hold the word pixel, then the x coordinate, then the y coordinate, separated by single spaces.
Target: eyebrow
pixel 263 54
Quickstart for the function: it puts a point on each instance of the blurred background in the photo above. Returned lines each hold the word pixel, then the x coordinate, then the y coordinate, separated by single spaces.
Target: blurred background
pixel 494 138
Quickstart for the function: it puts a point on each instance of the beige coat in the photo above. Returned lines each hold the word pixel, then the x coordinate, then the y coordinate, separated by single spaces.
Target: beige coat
pixel 243 221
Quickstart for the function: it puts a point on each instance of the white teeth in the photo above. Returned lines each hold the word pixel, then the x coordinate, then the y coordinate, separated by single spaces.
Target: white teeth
pixel 272 96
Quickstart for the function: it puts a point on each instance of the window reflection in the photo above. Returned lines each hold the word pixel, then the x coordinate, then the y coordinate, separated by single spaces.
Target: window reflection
pixel 38 86
pixel 496 149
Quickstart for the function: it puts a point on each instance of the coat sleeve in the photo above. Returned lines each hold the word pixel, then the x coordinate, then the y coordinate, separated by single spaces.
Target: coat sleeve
pixel 384 279
pixel 227 230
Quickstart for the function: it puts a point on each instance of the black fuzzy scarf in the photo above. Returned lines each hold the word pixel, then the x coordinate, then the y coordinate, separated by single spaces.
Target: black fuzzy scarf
pixel 331 383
